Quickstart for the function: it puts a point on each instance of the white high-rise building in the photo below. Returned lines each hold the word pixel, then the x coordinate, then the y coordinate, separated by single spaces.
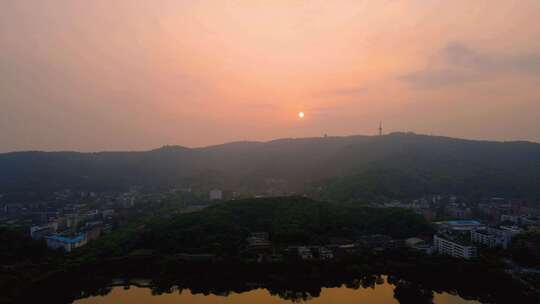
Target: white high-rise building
pixel 453 248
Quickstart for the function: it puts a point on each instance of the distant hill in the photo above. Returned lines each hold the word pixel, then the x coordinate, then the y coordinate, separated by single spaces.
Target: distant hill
pixel 341 168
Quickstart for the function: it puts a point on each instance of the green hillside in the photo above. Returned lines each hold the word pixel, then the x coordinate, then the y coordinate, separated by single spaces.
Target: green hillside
pixel 288 220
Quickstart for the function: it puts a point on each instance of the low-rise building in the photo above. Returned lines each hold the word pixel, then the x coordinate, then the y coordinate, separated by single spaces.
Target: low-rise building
pixel 419 245
pixel 515 219
pixel 39 232
pixel 305 253
pixel 530 220
pixel 449 246
pixel 73 220
pixel 216 194
pixel 325 253
pixel 258 241
pixel 459 212
pixel 495 237
pixel 93 230
pixel 464 226
pixel 489 239
pixel 511 230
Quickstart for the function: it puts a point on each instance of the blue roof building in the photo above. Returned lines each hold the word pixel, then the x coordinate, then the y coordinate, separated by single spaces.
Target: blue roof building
pixel 460 225
pixel 67 243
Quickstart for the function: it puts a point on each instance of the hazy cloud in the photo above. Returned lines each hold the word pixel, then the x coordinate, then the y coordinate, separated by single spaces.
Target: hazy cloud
pixel 457 63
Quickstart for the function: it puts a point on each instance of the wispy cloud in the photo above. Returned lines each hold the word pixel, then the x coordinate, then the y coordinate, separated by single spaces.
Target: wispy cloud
pixel 457 64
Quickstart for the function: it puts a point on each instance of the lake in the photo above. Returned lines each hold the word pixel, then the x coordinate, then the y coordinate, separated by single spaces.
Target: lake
pixel 381 293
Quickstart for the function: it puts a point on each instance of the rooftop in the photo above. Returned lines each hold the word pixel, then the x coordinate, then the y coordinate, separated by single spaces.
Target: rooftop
pixel 463 223
pixel 65 239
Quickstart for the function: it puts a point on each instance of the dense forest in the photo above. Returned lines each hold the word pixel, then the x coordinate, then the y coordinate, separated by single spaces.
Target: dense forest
pixel 336 168
pixel 22 259
pixel 17 245
pixel 222 229
pixel 289 221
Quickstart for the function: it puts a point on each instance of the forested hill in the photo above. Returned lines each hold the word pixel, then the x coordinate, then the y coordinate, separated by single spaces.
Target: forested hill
pixel 398 164
pixel 288 220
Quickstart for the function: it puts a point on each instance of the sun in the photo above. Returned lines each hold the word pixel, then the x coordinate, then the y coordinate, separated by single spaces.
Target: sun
pixel 300 114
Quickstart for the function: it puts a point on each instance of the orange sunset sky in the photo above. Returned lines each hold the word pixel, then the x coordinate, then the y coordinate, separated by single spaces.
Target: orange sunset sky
pixel 133 74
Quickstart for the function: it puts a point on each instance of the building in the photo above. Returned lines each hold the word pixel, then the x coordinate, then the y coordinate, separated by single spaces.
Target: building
pixel 92 214
pixel 489 238
pixel 511 230
pixel 305 253
pixel 411 242
pixel 325 253
pixel 64 242
pixel 93 230
pixel 459 212
pixel 72 220
pixel 530 220
pixel 420 245
pixel 515 219
pixel 260 235
pixel 54 225
pixel 495 237
pixel 216 194
pixel 448 246
pixel 60 223
pixel 258 241
pixel 39 232
pixel 340 251
pixel 464 226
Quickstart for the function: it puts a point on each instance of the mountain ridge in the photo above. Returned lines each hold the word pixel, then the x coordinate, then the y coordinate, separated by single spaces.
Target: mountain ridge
pixel 289 165
pixel 283 139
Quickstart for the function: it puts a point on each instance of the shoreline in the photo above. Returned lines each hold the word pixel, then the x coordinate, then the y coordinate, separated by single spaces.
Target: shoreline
pixel 164 273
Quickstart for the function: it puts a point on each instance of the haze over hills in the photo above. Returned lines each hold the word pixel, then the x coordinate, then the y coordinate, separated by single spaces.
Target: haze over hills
pixel 335 168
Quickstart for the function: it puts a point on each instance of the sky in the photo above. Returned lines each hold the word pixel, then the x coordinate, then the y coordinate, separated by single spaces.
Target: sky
pixel 135 74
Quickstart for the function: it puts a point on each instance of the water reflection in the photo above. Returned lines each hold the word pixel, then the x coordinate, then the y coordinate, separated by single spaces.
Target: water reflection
pixel 371 289
pixel 284 283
